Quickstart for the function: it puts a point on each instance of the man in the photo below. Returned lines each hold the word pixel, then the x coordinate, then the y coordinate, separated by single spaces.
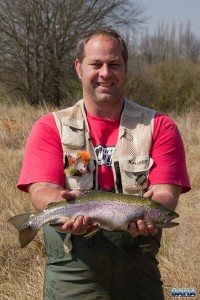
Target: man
pixel 133 150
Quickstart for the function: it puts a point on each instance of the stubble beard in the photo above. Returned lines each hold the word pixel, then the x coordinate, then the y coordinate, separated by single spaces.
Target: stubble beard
pixel 106 97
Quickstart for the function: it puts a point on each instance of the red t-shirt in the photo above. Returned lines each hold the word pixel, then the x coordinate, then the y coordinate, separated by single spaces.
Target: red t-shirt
pixel 43 157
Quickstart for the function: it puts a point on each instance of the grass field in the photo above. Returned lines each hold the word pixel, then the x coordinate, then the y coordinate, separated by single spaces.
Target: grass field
pixel 21 272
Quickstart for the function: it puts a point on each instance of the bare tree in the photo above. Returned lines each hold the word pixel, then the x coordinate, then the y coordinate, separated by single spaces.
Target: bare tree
pixel 165 46
pixel 38 38
pixel 189 45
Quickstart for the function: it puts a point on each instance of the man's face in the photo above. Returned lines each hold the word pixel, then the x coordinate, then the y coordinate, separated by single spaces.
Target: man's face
pixel 102 71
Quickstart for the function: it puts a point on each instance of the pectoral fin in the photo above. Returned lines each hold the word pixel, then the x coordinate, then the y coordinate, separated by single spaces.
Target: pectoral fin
pixel 91 233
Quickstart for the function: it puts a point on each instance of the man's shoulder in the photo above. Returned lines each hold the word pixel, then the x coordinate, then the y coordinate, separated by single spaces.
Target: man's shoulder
pixel 69 108
pixel 45 125
pixel 137 111
pixel 47 119
pixel 162 119
pixel 137 106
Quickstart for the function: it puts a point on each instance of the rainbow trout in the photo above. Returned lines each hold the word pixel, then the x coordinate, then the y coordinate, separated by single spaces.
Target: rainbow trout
pixel 111 211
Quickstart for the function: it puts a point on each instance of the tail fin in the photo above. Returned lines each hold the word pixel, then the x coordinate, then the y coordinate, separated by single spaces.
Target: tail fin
pixel 26 233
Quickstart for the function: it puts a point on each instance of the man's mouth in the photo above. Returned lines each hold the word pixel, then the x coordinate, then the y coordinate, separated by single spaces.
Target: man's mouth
pixel 103 84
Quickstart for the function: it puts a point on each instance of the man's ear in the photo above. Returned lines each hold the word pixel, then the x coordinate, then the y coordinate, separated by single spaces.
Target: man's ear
pixel 78 68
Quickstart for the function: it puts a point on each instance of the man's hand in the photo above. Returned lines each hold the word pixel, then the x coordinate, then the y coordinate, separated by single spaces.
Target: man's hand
pixel 82 224
pixel 79 226
pixel 140 228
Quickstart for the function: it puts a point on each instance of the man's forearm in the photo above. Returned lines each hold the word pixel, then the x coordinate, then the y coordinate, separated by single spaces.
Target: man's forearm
pixel 43 194
pixel 166 194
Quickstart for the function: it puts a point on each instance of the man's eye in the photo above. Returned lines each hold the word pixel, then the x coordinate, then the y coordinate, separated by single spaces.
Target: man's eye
pixel 96 65
pixel 99 65
pixel 114 65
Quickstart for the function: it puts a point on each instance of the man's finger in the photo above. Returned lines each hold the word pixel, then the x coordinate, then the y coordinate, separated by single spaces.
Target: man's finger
pixel 133 229
pixel 152 229
pixel 68 195
pixel 142 228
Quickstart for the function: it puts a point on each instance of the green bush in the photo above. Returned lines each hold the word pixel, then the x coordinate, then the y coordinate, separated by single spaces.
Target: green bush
pixel 167 86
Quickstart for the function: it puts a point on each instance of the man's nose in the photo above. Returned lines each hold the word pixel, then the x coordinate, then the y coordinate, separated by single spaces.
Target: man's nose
pixel 105 71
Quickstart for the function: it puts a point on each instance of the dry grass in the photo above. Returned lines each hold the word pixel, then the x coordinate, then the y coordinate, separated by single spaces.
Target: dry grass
pixel 21 272
pixel 179 255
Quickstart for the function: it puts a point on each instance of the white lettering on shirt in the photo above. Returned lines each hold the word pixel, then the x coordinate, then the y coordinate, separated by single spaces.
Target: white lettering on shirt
pixel 104 155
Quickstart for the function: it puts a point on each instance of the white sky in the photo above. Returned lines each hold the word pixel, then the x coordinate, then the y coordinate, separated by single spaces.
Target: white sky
pixel 172 11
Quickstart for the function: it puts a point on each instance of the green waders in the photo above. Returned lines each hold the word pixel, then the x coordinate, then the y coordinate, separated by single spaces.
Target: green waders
pixel 110 266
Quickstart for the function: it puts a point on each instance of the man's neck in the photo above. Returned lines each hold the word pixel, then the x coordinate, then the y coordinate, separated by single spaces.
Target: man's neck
pixel 105 111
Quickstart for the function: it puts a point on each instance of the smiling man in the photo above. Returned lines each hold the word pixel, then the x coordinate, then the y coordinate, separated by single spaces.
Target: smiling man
pixel 103 73
pixel 132 150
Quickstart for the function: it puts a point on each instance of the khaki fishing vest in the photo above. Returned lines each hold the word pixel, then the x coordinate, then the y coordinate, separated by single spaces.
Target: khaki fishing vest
pixel 131 161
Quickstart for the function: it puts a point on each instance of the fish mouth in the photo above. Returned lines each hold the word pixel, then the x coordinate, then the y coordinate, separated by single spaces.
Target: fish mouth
pixel 171 224
pixel 167 224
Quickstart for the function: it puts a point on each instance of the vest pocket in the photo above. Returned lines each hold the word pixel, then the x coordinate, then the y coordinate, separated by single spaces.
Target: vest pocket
pixel 73 133
pixel 83 182
pixel 134 173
